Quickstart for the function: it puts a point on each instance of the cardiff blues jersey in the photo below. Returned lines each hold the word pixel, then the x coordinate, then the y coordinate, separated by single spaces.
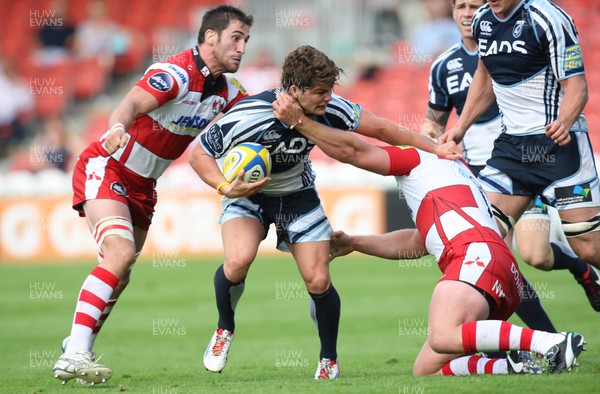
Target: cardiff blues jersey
pixel 252 120
pixel 527 54
pixel 449 80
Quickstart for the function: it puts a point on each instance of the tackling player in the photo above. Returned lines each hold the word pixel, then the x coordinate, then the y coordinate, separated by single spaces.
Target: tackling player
pixel 115 178
pixel 481 283
pixel 290 200
pixel 531 63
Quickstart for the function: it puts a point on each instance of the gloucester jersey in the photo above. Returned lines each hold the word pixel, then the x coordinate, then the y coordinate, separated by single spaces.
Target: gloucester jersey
pixel 447 204
pixel 189 98
pixel 527 54
pixel 449 81
pixel 454 219
pixel 252 120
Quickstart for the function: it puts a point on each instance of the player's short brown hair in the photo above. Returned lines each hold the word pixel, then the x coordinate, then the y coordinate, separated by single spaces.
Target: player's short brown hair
pixel 306 66
pixel 219 18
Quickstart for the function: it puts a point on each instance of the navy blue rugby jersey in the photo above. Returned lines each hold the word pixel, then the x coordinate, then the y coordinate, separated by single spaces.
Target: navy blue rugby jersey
pixel 449 81
pixel 252 120
pixel 527 54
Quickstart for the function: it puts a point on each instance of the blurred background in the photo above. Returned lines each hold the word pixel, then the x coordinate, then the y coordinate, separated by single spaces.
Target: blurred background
pixel 66 64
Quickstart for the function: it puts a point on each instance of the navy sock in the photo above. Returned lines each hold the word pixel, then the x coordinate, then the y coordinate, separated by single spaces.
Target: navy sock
pixel 325 311
pixel 531 311
pixel 227 295
pixel 564 260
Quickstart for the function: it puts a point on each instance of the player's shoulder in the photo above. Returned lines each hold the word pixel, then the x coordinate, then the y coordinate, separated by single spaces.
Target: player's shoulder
pixel 453 52
pixel 547 12
pixel 340 103
pixel 481 16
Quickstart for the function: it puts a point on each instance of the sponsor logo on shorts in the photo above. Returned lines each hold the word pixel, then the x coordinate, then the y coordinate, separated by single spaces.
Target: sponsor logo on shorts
pixel 118 188
pixel 163 82
pixel 573 194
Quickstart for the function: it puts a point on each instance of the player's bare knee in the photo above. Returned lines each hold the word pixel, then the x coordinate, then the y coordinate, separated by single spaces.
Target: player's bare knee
pixel 317 283
pixel 236 269
pixel 538 260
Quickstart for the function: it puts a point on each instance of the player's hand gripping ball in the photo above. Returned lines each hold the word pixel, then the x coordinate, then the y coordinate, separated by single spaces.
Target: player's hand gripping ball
pixel 251 157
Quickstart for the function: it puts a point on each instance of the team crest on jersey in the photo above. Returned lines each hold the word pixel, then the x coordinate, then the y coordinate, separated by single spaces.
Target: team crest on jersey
pixel 163 82
pixel 205 71
pixel 118 188
pixel 518 29
pixel 217 105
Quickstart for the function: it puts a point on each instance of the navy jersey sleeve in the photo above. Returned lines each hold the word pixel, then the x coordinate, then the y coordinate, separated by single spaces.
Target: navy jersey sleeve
pixel 558 36
pixel 439 99
pixel 342 114
pixel 245 122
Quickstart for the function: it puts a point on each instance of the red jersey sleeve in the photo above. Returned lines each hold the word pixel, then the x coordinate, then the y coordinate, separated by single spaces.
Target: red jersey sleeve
pixel 402 159
pixel 161 84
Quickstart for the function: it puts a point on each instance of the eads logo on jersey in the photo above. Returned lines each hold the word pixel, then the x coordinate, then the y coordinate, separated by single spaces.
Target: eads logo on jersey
pixel 573 194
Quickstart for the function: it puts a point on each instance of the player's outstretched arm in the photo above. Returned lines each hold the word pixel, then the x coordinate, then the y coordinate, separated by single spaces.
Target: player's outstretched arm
pixel 134 104
pixel 395 245
pixel 384 130
pixel 335 143
pixel 434 124
pixel 480 97
pixel 574 100
pixel 208 170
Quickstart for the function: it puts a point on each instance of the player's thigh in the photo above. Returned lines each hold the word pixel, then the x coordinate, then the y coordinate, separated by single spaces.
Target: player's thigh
pixel 312 259
pixel 452 304
pixel 510 205
pixel 99 209
pixel 532 236
pixel 429 362
pixel 241 237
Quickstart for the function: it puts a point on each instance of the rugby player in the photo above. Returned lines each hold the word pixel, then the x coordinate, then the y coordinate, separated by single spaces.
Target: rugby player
pixel 290 200
pixel 115 178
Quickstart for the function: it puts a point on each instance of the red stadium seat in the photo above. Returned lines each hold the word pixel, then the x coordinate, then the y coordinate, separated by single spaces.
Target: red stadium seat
pixel 90 79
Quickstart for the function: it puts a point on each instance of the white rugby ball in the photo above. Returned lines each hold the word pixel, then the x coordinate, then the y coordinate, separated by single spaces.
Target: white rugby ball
pixel 251 157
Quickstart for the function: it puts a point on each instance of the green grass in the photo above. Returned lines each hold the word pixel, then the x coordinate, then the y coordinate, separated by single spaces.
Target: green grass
pixel 156 336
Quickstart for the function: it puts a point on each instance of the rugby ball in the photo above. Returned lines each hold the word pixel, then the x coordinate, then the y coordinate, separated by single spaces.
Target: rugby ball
pixel 251 157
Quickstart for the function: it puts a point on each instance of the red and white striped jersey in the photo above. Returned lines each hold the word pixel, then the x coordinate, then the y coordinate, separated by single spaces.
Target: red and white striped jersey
pixel 446 202
pixel 189 97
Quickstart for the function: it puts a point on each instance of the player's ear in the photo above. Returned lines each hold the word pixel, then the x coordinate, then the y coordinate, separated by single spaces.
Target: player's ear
pixel 294 91
pixel 211 37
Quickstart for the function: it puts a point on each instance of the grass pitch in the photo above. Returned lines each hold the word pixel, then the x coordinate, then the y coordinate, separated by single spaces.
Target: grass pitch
pixel 157 333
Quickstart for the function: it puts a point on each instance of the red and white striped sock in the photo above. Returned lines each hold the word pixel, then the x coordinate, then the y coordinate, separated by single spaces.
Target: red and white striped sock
pixel 107 309
pixel 93 298
pixel 475 365
pixel 498 335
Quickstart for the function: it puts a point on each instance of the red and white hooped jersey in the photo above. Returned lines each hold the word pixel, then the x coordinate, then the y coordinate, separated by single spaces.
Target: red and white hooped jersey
pixel 446 202
pixel 189 99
